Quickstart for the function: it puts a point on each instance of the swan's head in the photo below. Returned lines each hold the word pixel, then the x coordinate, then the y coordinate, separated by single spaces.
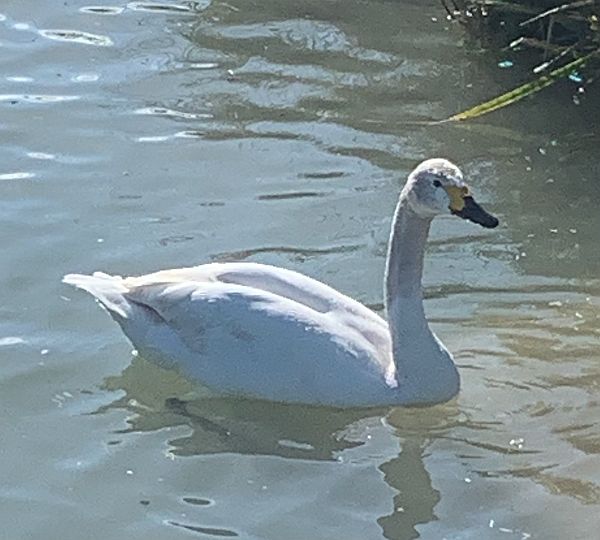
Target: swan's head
pixel 437 187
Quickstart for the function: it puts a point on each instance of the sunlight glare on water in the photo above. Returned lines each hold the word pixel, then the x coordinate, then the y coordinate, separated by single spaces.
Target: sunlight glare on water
pixel 146 135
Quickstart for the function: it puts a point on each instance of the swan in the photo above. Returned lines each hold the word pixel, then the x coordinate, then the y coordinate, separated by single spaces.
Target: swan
pixel 261 331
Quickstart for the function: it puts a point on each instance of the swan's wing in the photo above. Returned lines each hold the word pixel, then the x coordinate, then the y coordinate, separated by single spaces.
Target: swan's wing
pixel 281 282
pixel 190 307
pixel 241 339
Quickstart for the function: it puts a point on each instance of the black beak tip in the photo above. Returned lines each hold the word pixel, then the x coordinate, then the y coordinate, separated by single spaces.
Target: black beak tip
pixel 493 222
pixel 490 222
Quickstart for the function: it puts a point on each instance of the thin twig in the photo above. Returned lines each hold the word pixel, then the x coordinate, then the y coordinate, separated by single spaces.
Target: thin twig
pixel 558 9
pixel 448 11
pixel 535 44
pixel 559 56
pixel 507 6
pixel 454 4
pixel 549 36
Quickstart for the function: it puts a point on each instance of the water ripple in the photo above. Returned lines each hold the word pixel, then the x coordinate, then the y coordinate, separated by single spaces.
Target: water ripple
pixel 77 36
pixel 102 10
pixel 20 175
pixel 301 34
pixel 190 134
pixel 85 77
pixel 196 65
pixel 186 134
pixel 19 79
pixel 41 155
pixel 13 99
pixel 156 7
pixel 329 175
pixel 210 531
pixel 335 137
pixel 11 340
pixel 154 138
pixel 195 501
pixel 164 111
pixel 291 195
pixel 302 253
pixel 175 239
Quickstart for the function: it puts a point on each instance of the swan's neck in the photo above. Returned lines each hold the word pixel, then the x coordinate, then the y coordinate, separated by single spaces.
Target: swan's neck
pixel 405 256
pixel 424 368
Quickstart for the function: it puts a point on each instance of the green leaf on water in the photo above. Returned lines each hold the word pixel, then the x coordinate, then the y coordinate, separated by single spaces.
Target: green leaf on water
pixel 522 91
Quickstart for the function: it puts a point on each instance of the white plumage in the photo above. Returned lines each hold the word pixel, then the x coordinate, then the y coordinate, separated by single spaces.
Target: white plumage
pixel 262 331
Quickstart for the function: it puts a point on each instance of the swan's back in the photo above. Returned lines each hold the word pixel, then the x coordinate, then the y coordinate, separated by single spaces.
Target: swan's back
pixel 283 283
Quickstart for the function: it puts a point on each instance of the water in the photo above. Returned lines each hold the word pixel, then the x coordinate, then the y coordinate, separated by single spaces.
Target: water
pixel 139 136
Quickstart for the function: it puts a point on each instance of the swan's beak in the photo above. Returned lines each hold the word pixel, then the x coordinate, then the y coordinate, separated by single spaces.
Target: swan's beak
pixel 463 205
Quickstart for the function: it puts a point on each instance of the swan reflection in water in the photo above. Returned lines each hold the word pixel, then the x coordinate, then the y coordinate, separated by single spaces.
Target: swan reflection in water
pixel 394 440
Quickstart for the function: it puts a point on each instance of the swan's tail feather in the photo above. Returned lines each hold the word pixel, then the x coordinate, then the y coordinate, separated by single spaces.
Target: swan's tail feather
pixel 108 290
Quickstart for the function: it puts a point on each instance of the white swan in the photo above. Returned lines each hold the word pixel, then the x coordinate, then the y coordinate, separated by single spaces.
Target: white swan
pixel 262 331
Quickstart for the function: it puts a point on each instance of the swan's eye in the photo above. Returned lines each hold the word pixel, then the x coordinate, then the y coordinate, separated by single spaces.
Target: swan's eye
pixel 437 183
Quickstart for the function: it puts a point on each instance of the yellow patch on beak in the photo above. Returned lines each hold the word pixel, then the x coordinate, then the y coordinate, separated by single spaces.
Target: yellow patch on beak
pixel 457 197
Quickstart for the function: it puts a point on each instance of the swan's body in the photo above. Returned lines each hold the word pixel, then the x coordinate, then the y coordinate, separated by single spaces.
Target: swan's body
pixel 262 331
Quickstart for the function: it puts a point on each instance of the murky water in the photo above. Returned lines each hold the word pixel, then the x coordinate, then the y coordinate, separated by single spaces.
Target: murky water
pixel 138 136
